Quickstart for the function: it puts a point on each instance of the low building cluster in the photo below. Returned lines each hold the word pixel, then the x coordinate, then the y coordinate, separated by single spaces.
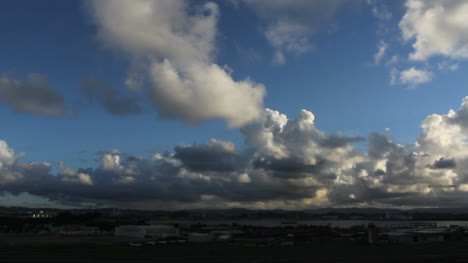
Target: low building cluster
pixel 146 228
pixel 415 233
pixel 289 235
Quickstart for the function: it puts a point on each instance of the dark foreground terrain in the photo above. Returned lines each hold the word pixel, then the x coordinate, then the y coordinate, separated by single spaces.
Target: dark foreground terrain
pixel 112 249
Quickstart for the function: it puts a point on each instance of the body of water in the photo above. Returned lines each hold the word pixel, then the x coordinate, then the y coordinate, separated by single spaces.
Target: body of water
pixel 333 223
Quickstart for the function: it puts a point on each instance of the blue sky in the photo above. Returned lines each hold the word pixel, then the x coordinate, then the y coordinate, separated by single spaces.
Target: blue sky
pixel 359 66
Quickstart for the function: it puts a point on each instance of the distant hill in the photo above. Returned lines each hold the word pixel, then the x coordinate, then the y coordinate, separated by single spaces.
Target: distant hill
pixel 234 212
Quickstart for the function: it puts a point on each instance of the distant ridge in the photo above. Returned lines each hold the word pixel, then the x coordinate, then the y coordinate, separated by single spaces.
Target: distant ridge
pixel 240 211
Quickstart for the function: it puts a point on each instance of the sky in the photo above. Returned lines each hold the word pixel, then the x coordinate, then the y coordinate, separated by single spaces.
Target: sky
pixel 239 103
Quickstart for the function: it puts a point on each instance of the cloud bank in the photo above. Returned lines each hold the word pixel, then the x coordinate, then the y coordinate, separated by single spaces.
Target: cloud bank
pixel 173 52
pixel 286 163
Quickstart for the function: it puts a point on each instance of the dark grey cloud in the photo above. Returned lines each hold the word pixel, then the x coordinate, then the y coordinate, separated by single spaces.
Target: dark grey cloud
pixel 379 172
pixel 287 165
pixel 444 163
pixel 109 98
pixel 32 96
pixel 293 168
pixel 337 141
pixel 212 156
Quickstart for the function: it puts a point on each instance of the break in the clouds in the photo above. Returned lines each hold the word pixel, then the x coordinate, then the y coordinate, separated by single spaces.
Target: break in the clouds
pixel 32 95
pixel 287 163
pixel 172 48
pixel 289 25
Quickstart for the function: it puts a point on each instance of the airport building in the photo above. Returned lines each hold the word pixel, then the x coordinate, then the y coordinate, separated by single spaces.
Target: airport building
pixel 142 231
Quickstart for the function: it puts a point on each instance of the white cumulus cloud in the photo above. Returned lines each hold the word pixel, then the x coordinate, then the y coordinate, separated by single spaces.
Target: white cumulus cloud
pixel 172 46
pixel 414 76
pixel 436 27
